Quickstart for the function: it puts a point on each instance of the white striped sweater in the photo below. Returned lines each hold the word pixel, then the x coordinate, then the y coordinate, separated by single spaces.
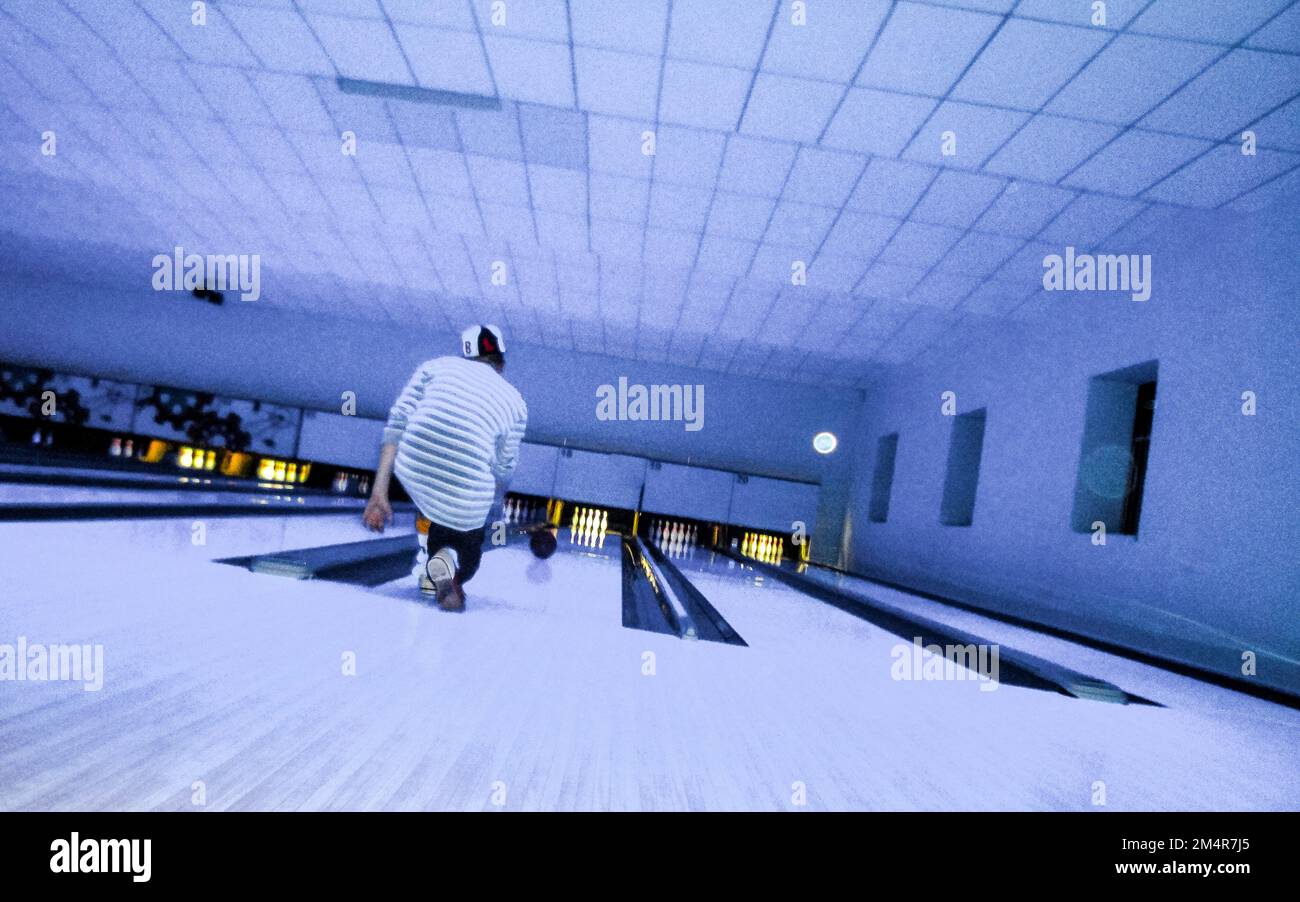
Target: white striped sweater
pixel 457 426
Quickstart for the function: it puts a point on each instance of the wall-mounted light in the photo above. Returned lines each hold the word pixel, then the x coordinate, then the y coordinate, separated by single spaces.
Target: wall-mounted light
pixel 825 442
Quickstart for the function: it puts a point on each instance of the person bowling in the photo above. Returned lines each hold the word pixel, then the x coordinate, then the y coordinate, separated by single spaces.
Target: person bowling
pixel 452 438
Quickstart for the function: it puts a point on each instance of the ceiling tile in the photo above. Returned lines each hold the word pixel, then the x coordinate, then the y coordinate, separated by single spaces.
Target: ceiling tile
pixel 891 187
pixel 979 254
pixel 542 20
pixel 446 60
pixel 617 198
pixel 365 117
pixel 1129 77
pixel 919 245
pixel 1048 147
pixel 126 27
pixel 212 42
pixel 687 157
pixel 1206 20
pixel 1090 219
pixel 618 84
pixel 725 32
pixel 1220 176
pixel 978 131
pixel 1282 32
pixel 280 39
pixel 678 207
pixel 800 227
pixel 828 43
pixel 1023 209
pixel 492 133
pixel 1281 128
pixel 294 102
pixel 752 166
pixel 361 48
pixel 996 297
pixel 558 190
pixel 924 48
pixel 434 15
pixel 554 137
pixel 531 70
pixel 1133 161
pixel 1118 12
pixel 823 177
pixel 671 247
pixel 957 198
pixel 725 255
pixel 1231 94
pixel 631 27
pixel 498 180
pixel 858 236
pixel 561 231
pixel 793 109
pixel 739 215
pixel 877 122
pixel 1026 62
pixel 943 289
pixel 703 96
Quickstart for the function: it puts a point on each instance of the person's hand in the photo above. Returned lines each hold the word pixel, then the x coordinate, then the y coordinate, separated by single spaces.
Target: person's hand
pixel 378 514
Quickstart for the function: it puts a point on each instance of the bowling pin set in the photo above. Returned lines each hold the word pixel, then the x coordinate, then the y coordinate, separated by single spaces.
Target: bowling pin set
pixel 674 538
pixel 517 510
pixel 120 447
pixel 589 527
pixel 762 547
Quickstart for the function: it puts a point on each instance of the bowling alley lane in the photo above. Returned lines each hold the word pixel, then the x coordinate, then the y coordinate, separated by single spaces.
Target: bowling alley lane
pixel 239 680
pixel 1185 693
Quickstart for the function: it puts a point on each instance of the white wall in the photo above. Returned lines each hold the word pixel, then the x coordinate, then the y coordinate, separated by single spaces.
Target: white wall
pixel 1215 569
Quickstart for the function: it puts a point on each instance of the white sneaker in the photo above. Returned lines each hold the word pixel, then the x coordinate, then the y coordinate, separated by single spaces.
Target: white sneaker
pixel 439 571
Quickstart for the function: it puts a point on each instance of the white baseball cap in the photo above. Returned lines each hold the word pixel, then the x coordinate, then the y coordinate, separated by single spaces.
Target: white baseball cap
pixel 477 341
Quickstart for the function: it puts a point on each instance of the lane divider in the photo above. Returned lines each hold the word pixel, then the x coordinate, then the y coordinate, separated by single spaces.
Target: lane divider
pixel 681 617
pixel 1018 668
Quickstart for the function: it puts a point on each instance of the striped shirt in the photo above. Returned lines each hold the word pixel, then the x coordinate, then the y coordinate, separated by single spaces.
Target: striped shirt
pixel 457 426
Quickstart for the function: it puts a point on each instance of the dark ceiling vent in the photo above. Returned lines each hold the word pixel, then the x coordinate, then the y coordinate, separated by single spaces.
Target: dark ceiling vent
pixel 212 297
pixel 418 95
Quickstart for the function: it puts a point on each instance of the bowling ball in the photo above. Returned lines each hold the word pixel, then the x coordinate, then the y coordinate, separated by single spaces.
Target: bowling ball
pixel 542 543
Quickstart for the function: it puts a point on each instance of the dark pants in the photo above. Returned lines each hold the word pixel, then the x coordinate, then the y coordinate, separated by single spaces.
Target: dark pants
pixel 468 545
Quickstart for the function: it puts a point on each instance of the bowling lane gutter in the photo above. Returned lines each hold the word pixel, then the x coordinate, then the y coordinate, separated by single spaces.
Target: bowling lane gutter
pixel 1016 668
pixel 1268 693
pixel 647 604
pixel 369 562
pixel 709 622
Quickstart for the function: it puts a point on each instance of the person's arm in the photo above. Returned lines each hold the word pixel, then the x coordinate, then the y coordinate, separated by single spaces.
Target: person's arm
pixel 379 513
pixel 507 451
